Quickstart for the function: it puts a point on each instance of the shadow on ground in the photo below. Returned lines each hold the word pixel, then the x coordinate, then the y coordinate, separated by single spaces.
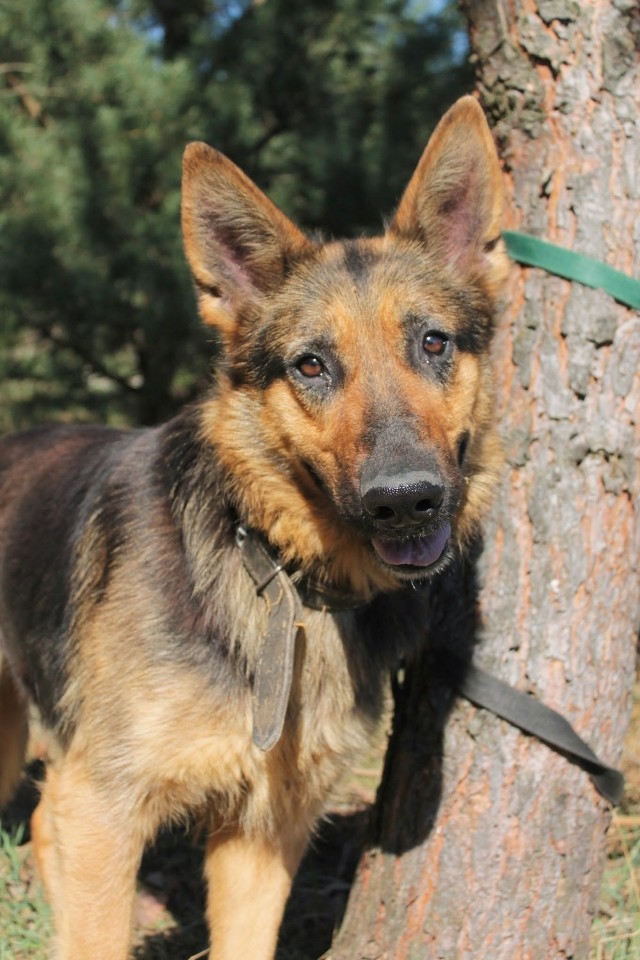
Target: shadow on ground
pixel 172 869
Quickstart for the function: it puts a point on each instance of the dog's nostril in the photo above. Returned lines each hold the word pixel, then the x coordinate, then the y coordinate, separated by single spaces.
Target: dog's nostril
pixel 432 497
pixel 378 507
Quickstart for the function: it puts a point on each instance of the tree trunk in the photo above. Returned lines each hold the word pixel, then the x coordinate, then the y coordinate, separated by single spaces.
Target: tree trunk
pixel 487 844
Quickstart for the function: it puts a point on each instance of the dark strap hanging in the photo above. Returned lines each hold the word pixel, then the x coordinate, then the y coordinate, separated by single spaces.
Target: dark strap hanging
pixel 533 717
pixel 274 668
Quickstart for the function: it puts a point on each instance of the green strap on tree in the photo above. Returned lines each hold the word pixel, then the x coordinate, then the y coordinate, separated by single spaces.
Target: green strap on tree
pixel 572 266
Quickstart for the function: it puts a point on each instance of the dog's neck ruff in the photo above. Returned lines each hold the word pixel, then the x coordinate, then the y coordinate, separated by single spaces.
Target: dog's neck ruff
pixel 274 669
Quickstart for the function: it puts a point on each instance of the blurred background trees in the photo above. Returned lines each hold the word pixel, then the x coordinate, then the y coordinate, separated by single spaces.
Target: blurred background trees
pixel 326 104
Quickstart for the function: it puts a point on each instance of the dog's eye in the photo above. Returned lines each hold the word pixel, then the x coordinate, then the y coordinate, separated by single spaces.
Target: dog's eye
pixel 310 366
pixel 434 344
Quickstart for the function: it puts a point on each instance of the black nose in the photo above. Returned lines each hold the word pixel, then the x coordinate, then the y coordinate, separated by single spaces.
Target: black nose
pixel 407 499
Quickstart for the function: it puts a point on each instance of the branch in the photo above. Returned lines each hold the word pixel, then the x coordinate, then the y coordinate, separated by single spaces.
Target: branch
pixel 15 67
pixel 86 357
pixel 29 102
pixel 266 137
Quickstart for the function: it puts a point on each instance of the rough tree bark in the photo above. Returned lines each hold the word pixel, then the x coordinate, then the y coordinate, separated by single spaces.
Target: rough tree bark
pixel 488 845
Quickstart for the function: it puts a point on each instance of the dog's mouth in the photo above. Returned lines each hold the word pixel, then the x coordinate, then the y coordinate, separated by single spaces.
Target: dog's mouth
pixel 414 555
pixel 406 556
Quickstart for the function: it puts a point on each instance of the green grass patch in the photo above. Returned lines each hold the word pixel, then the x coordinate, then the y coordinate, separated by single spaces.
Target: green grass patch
pixel 25 926
pixel 616 929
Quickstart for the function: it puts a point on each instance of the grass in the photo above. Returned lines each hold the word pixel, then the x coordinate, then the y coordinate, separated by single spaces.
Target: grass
pixel 615 933
pixel 25 926
pixel 169 911
pixel 616 929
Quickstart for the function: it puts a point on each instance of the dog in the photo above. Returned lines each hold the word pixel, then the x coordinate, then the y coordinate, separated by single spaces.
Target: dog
pixel 205 612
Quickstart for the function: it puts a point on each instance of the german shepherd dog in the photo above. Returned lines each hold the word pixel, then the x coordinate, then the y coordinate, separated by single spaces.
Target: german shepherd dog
pixel 204 612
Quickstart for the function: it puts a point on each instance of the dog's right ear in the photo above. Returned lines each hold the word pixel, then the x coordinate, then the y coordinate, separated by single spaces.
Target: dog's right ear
pixel 236 240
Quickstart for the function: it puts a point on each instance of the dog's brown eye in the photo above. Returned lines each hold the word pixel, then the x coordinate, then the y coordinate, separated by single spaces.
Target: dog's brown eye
pixel 434 343
pixel 310 367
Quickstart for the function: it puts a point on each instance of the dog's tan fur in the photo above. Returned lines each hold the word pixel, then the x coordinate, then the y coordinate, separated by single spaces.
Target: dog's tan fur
pixel 136 627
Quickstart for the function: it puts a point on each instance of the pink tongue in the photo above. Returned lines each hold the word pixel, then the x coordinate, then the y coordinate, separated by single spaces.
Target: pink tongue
pixel 420 552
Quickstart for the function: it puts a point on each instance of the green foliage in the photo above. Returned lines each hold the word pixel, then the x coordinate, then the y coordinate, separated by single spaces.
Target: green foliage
pixel 24 917
pixel 95 295
pixel 327 104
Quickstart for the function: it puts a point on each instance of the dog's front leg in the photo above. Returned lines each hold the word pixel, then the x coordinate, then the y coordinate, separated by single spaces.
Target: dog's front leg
pixel 88 851
pixel 249 878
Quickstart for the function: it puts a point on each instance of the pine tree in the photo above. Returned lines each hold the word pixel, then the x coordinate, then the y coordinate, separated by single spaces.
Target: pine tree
pixel 326 105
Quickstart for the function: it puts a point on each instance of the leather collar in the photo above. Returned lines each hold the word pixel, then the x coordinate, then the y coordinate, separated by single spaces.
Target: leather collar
pixel 274 667
pixel 256 552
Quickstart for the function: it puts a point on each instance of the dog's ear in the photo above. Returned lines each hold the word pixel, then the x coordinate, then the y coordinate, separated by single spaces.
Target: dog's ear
pixel 453 202
pixel 236 240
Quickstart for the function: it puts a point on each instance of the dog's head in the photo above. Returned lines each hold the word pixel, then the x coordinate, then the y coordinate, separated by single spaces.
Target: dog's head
pixel 352 410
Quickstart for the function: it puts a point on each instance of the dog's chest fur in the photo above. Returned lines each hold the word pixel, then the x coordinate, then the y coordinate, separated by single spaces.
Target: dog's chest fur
pixel 195 699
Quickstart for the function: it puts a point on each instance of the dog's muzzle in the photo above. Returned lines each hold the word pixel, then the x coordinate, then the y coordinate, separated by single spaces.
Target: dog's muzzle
pixel 406 502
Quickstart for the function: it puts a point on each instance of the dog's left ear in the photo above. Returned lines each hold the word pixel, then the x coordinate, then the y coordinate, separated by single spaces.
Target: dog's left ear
pixel 236 240
pixel 453 202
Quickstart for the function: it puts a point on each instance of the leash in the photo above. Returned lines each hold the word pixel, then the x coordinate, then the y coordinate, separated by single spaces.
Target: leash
pixel 530 715
pixel 274 669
